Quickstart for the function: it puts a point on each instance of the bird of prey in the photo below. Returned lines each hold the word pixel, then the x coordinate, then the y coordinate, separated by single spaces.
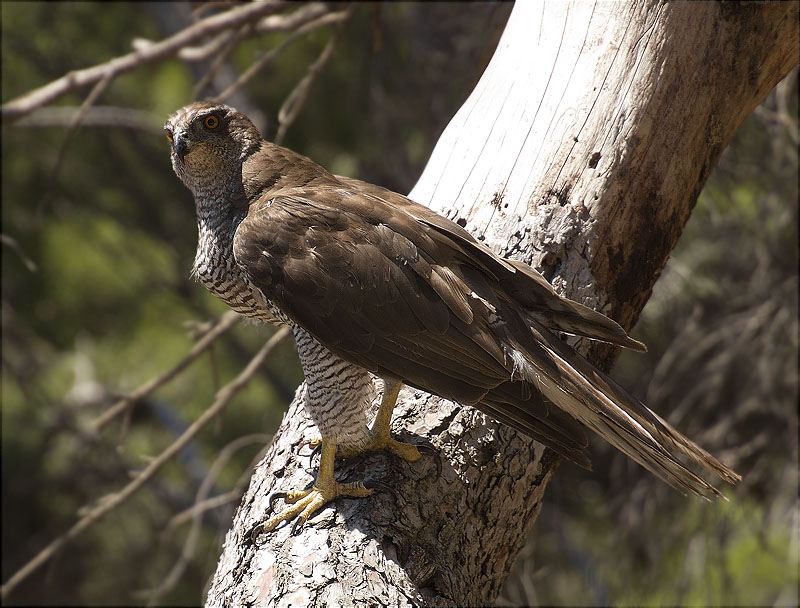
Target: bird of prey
pixel 372 282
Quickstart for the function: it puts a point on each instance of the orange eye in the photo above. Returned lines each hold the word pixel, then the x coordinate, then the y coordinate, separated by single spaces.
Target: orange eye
pixel 211 122
pixel 168 133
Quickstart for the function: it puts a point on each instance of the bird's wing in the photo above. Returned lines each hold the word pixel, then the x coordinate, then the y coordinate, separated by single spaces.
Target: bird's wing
pixel 385 285
pixel 360 286
pixel 373 296
pixel 529 288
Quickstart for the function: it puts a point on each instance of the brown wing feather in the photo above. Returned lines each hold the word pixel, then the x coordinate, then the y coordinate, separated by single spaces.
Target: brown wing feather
pixel 389 285
pixel 525 285
pixel 367 293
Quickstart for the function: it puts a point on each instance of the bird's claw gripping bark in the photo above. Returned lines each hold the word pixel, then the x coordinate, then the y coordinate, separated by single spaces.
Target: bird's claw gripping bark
pixel 315 444
pixel 379 437
pixel 383 442
pixel 383 487
pixel 304 503
pixel 285 496
pixel 431 451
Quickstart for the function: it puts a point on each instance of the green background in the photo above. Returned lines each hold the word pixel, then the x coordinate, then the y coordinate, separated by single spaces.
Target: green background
pixel 97 299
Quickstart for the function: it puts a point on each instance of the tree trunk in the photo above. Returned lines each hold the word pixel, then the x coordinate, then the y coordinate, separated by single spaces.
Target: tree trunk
pixel 581 151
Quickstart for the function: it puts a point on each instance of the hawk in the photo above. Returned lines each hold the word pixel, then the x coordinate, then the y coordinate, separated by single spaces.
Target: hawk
pixel 371 282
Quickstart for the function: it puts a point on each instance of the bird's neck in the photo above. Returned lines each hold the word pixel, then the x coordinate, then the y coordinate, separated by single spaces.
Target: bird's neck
pixel 220 205
pixel 215 264
pixel 217 221
pixel 217 226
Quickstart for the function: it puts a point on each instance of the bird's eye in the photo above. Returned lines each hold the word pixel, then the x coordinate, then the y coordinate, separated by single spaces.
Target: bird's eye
pixel 168 133
pixel 211 122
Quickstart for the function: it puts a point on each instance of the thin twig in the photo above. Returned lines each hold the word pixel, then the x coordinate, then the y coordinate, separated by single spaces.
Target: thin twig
pixel 112 501
pixel 271 23
pixel 273 52
pixel 12 242
pixel 190 544
pixel 189 53
pixel 297 98
pixel 280 23
pixel 96 116
pixel 223 324
pixel 225 50
pixel 207 504
pixel 119 65
pixel 96 91
pixel 205 7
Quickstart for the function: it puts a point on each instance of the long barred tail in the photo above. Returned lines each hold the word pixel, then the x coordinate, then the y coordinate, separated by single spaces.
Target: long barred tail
pixel 576 387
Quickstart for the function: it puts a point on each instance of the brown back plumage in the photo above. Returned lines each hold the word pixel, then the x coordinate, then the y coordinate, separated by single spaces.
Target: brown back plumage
pixel 390 286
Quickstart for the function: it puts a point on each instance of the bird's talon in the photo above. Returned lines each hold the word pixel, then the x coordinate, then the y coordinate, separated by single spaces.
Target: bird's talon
pixel 272 498
pixel 304 503
pixel 298 523
pixel 256 532
pixel 313 445
pixel 384 487
pixel 427 449
pixel 407 451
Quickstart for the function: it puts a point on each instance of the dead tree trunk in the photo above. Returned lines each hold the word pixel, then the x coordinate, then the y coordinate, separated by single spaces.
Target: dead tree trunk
pixel 581 151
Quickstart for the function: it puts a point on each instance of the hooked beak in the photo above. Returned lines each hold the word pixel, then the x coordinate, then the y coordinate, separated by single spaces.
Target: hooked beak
pixel 181 145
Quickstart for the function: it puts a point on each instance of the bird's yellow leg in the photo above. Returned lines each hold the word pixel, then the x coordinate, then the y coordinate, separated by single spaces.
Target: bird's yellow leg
pixel 306 502
pixel 379 437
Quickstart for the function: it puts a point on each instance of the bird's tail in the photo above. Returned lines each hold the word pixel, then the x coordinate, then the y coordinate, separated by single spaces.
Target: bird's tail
pixel 575 386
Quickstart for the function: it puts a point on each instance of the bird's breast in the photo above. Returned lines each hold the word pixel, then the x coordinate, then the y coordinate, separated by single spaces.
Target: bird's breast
pixel 216 268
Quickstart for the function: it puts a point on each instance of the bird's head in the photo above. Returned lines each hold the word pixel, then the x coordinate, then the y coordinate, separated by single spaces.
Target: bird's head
pixel 209 143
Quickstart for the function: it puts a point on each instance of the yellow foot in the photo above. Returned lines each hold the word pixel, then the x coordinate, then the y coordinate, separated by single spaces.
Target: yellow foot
pixel 382 441
pixel 379 438
pixel 306 502
pixel 378 441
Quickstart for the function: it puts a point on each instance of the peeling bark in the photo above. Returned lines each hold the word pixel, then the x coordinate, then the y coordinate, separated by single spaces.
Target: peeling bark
pixel 582 151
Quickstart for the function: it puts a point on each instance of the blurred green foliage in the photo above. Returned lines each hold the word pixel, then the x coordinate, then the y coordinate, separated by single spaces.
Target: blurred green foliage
pixel 110 304
pixel 112 237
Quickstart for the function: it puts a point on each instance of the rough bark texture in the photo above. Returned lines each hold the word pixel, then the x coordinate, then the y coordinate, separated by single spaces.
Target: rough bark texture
pixel 582 151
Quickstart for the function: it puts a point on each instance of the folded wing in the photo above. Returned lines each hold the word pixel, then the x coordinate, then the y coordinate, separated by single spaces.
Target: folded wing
pixel 389 285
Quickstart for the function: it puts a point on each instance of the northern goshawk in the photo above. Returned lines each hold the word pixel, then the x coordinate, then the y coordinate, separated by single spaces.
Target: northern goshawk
pixel 371 282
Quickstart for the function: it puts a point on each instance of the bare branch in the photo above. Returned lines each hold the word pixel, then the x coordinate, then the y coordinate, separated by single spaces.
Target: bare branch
pixel 112 501
pixel 207 504
pixel 223 324
pixel 96 116
pixel 190 544
pixel 203 504
pixel 223 51
pixel 21 106
pixel 294 102
pixel 272 23
pixel 96 91
pixel 275 51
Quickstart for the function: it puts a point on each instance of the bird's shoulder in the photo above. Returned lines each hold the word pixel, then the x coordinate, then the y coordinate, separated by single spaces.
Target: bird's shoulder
pixel 312 234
